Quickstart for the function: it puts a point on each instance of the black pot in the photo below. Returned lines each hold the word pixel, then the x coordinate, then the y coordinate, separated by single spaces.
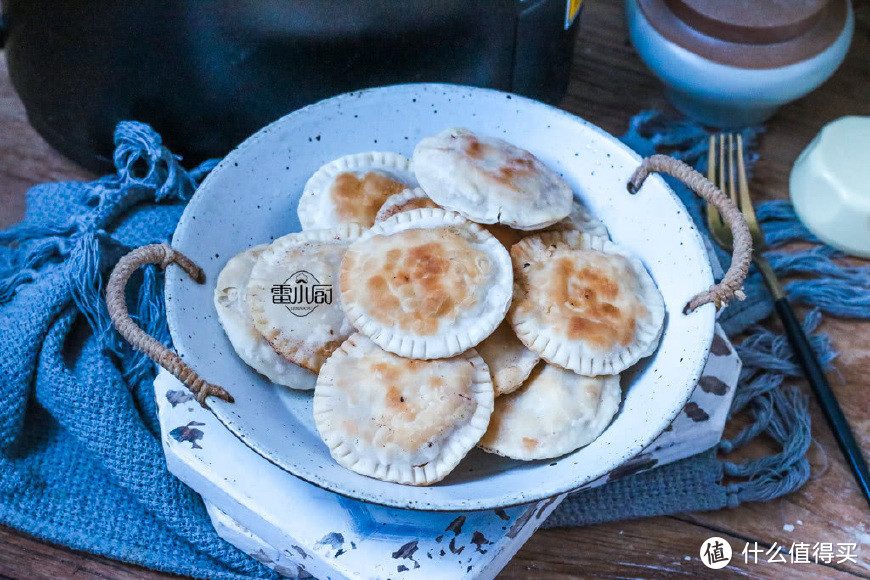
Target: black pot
pixel 206 74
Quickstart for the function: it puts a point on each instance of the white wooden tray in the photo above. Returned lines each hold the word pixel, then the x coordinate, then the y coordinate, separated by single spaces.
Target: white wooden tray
pixel 291 525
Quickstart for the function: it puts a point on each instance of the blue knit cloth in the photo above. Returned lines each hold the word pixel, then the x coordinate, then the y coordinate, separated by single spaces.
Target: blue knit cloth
pixel 81 462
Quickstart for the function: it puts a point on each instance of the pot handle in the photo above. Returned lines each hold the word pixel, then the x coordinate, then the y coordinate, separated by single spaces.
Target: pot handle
pixel 731 284
pixel 162 255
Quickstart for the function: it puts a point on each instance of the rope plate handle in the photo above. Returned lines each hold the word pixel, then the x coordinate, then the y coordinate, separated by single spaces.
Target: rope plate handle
pixel 731 285
pixel 162 255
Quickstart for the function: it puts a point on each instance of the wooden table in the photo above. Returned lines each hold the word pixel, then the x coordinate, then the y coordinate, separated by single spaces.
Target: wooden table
pixel 609 83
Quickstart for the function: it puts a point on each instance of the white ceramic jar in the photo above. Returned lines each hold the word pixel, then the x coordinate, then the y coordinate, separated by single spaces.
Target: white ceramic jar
pixel 830 185
pixel 737 77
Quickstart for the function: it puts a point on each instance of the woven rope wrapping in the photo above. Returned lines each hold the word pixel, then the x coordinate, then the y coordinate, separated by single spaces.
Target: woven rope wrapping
pixel 732 283
pixel 161 254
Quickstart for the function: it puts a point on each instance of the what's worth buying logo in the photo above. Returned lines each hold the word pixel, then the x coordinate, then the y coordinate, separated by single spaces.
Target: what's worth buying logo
pixel 715 553
pixel 301 293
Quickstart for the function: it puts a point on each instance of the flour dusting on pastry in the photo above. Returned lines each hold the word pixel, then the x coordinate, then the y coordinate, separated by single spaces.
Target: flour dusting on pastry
pixel 553 413
pixel 489 180
pixel 399 419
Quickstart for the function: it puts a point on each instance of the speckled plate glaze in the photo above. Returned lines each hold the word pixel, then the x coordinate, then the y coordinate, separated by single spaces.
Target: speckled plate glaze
pixel 251 198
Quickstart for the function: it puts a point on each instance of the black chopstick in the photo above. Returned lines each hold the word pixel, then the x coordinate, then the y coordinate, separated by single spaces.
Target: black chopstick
pixel 825 395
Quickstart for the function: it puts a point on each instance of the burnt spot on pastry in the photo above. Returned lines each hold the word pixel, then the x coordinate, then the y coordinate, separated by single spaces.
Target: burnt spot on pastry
pixel 416 278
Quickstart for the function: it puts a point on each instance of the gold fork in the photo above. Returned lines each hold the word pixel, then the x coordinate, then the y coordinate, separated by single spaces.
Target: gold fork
pixel 724 179
pixel 722 233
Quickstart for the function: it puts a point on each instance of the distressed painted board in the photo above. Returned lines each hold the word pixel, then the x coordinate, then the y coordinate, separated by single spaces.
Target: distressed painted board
pixel 299 529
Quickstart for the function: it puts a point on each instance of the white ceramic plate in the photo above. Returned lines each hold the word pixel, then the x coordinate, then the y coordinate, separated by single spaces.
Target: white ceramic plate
pixel 251 198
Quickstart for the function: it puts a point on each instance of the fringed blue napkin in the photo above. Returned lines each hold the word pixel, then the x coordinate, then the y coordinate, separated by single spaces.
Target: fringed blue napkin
pixel 80 457
pixel 81 463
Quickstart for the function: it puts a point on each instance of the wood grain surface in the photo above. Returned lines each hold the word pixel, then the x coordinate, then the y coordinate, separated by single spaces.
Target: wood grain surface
pixel 609 83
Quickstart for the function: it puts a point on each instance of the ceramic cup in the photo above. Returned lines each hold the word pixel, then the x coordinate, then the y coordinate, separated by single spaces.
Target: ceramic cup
pixel 829 185
pixel 724 95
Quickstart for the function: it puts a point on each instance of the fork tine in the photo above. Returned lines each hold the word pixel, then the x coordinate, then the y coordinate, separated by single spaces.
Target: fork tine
pixel 721 184
pixel 711 160
pixel 732 189
pixel 745 201
pixel 714 220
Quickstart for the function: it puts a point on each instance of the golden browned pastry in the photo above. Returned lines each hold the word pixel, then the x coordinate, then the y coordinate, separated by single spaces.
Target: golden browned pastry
pixel 583 303
pixel 353 188
pixel 426 283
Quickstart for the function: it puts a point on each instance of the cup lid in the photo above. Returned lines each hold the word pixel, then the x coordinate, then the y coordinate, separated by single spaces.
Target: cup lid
pixel 754 34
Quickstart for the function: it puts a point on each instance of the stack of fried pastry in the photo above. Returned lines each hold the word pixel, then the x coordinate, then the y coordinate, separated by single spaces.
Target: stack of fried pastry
pixel 476 302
